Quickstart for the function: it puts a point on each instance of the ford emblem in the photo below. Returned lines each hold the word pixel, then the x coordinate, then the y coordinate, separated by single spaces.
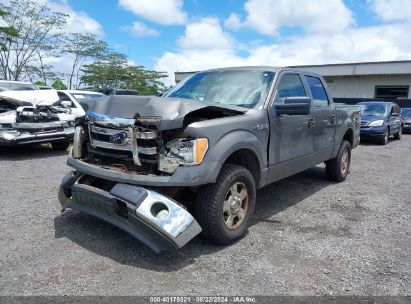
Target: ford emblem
pixel 119 138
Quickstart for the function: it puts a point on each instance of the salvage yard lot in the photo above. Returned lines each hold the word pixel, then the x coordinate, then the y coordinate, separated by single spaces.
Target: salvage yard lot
pixel 308 237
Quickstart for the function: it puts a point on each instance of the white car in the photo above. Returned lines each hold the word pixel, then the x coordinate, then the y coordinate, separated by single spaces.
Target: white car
pixel 28 116
pixel 72 99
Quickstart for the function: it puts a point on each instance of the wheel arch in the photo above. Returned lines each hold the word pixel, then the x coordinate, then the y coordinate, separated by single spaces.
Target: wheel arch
pixel 349 136
pixel 247 158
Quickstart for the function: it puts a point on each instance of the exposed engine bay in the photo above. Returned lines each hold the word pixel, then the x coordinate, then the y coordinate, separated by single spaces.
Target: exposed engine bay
pixel 144 144
pixel 40 113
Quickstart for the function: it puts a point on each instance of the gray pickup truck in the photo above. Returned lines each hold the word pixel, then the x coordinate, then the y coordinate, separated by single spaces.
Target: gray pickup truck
pixel 166 168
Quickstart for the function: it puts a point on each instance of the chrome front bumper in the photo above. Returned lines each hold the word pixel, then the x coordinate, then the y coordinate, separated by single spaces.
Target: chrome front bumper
pixel 28 133
pixel 154 219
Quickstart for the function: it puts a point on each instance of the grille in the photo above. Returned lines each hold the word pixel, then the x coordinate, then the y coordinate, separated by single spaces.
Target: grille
pixel 104 138
pixel 41 130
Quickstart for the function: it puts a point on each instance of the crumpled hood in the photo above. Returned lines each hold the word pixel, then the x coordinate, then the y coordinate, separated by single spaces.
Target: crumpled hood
pixel 30 97
pixel 171 110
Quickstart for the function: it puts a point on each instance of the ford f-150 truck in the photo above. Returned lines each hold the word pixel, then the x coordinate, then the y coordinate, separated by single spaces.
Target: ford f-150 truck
pixel 166 168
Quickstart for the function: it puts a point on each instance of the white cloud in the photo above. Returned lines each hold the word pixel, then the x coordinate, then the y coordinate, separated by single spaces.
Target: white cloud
pixel 267 16
pixel 164 12
pixel 233 22
pixel 205 34
pixel 138 29
pixel 378 43
pixel 391 10
pixel 77 21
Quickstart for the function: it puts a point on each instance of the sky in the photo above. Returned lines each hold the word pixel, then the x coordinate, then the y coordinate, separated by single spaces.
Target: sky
pixel 190 35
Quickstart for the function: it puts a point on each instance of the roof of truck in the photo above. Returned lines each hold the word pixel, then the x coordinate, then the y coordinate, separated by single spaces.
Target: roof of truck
pixel 261 68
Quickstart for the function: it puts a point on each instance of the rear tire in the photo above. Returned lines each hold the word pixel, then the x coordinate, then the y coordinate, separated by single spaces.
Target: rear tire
pixel 223 209
pixel 338 168
pixel 398 135
pixel 60 145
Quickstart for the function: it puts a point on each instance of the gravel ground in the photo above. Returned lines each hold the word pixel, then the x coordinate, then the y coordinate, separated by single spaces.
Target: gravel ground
pixel 308 237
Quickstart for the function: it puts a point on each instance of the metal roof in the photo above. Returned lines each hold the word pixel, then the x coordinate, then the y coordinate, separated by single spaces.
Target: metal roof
pixel 398 67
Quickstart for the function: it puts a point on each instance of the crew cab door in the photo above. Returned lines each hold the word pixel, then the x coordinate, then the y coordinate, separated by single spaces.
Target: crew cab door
pixel 290 135
pixel 323 117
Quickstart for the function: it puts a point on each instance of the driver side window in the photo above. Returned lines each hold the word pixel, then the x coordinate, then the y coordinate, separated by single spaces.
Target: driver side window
pixel 290 85
pixel 64 97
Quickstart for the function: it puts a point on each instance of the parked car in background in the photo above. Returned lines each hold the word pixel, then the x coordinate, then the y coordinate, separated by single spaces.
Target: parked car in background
pixel 406 115
pixel 73 99
pixel 28 116
pixel 380 120
pixel 121 92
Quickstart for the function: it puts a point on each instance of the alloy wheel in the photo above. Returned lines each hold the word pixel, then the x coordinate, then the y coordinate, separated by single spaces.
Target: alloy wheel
pixel 235 205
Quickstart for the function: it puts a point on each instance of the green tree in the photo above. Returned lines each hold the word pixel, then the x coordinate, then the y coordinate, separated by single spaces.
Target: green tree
pixel 58 85
pixel 113 71
pixel 6 32
pixel 146 82
pixel 109 71
pixel 82 47
pixel 39 30
pixel 39 83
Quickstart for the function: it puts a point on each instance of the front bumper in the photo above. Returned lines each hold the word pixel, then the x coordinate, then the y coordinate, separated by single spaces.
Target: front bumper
pixel 191 176
pixel 133 209
pixel 32 133
pixel 372 131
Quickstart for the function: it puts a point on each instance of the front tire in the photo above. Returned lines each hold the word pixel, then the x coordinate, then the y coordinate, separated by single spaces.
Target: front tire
pixel 223 209
pixel 338 168
pixel 60 145
pixel 385 137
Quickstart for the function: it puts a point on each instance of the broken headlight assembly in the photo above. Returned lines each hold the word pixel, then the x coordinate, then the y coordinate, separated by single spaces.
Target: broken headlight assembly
pixel 184 152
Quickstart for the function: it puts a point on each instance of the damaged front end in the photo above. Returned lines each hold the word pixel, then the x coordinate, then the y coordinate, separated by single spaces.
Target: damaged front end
pixel 34 124
pixel 137 172
pixel 135 145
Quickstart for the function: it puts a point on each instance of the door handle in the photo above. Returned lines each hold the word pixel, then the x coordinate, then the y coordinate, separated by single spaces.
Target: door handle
pixel 333 120
pixel 311 122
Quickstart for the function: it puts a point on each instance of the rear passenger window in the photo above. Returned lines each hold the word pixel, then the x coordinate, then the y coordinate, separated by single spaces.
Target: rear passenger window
pixel 320 98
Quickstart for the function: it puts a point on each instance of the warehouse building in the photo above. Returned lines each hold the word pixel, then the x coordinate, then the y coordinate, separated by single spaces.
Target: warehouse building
pixel 354 82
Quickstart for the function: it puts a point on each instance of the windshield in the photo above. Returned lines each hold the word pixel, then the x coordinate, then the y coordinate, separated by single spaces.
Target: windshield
pixel 12 86
pixel 406 112
pixel 244 88
pixel 80 96
pixel 374 110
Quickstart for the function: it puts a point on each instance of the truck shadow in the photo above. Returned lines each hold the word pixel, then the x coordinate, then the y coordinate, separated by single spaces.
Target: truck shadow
pixel 279 196
pixel 106 240
pixel 29 152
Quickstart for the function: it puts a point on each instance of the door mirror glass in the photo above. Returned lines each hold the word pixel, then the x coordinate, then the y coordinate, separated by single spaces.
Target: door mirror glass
pixel 292 106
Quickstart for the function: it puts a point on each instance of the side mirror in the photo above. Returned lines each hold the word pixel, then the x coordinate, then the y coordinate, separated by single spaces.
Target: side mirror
pixel 293 106
pixel 66 104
